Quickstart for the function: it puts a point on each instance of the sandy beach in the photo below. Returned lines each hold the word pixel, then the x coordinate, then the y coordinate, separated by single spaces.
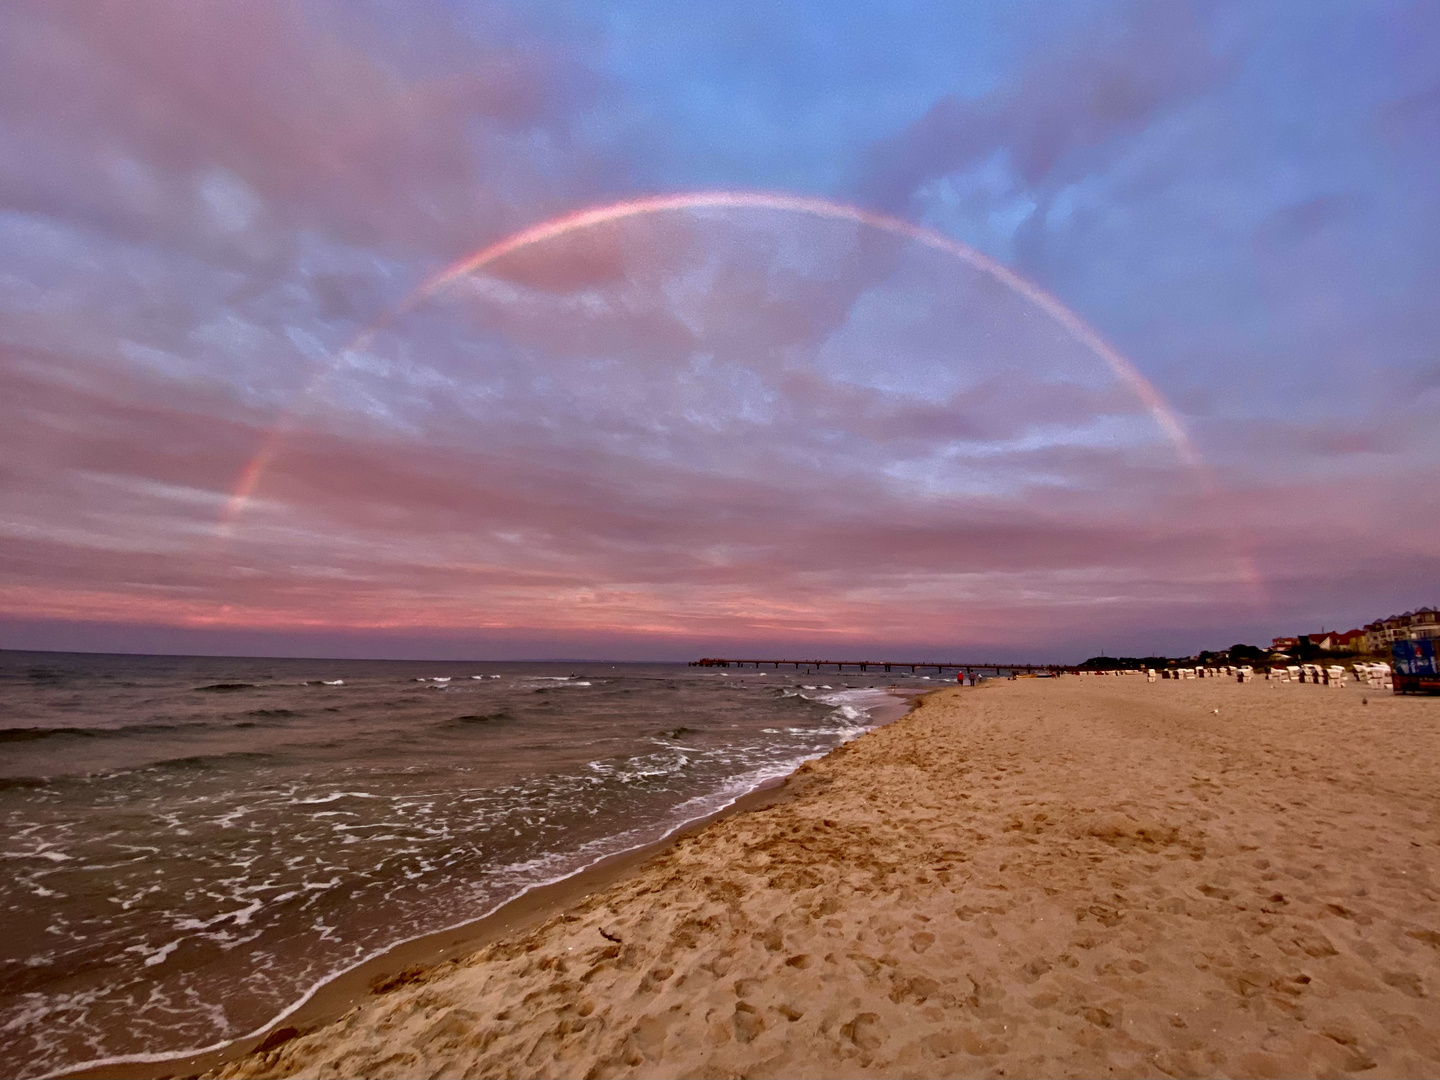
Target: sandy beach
pixel 1063 877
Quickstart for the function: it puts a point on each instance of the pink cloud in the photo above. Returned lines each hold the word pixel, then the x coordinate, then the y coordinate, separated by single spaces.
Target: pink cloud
pixel 152 116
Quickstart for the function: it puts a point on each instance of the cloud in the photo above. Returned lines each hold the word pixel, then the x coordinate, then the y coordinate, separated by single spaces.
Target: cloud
pixel 604 457
pixel 188 124
pixel 598 472
pixel 1062 117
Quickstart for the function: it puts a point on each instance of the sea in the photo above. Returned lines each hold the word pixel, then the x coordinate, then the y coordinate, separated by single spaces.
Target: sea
pixel 193 845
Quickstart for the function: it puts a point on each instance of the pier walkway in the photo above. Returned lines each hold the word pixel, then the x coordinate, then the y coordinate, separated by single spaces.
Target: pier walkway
pixel 914 667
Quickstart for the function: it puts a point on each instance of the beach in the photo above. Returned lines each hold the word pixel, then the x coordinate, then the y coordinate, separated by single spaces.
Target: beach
pixel 1051 877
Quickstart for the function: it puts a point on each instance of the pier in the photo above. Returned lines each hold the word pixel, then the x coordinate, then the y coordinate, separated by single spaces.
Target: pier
pixel 914 667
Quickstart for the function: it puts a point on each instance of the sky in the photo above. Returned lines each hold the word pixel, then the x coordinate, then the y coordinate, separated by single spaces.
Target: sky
pixel 1019 331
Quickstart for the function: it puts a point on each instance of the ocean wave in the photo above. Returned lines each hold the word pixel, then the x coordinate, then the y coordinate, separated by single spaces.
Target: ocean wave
pixel 35 734
pixel 336 795
pixel 851 707
pixel 476 718
pixel 32 734
pixel 8 783
pixel 44 674
pixel 209 761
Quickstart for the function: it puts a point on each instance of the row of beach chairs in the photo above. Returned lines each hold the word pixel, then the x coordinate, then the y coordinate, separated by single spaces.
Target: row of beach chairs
pixel 1374 675
pixel 1244 673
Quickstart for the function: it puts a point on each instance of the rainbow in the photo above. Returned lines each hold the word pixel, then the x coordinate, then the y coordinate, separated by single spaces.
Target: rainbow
pixel 250 477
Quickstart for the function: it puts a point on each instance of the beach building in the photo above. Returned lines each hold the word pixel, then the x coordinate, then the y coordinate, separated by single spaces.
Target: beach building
pixel 1418 625
pixel 1333 640
pixel 1350 640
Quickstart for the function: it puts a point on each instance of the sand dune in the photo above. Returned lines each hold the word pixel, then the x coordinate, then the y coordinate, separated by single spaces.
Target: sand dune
pixel 1071 877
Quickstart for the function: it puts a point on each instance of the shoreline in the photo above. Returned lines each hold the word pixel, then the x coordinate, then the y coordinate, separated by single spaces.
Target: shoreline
pixel 1059 877
pixel 334 996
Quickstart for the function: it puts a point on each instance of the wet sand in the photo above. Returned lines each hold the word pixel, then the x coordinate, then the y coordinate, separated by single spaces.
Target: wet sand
pixel 1066 877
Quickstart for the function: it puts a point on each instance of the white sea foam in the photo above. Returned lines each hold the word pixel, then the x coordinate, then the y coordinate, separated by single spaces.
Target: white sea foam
pixel 337 795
